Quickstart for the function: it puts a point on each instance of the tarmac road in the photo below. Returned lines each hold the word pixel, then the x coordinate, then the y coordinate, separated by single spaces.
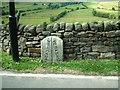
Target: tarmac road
pixel 12 80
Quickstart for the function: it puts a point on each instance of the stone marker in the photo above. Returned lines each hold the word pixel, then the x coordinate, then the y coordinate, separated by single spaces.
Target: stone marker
pixel 52 49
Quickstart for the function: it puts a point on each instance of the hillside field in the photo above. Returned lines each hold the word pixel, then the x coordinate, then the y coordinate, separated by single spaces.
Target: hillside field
pixel 37 13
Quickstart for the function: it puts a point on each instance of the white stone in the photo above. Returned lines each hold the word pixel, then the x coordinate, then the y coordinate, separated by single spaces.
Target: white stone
pixel 52 49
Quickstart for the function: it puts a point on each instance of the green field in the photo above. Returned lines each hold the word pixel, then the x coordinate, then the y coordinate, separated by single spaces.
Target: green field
pixel 73 15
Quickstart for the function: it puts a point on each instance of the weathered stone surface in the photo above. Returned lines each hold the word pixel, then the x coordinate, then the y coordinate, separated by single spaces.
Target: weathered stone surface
pixel 117 55
pixel 76 50
pixel 86 49
pixel 34 55
pixel 93 26
pixel 92 55
pixel 41 37
pixel 27 34
pixel 68 51
pixel 116 48
pixel 26 28
pixel 34 50
pixel 82 34
pixel 52 49
pixel 22 42
pixel 100 26
pixel 115 26
pixel 21 27
pixel 49 27
pixel 108 55
pixel 117 33
pixel 68 34
pixel 78 26
pixel 46 33
pixel 62 25
pixel 39 28
pixel 101 48
pixel 107 26
pixel 32 43
pixel 110 34
pixel 85 26
pixel 36 38
pixel 69 27
pixel 32 30
pixel 56 27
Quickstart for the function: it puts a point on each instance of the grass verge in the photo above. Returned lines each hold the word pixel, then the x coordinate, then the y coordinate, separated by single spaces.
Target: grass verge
pixel 86 67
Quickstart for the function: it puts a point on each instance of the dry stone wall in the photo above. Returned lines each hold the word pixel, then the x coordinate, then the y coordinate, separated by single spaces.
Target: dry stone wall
pixel 93 40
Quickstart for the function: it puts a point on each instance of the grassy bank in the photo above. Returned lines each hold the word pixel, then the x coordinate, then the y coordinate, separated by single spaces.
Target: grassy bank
pixel 86 67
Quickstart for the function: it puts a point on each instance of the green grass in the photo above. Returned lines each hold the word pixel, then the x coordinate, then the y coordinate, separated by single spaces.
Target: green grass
pixel 83 15
pixel 40 16
pixel 102 67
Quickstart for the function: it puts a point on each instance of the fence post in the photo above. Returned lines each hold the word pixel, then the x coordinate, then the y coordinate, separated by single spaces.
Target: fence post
pixel 13 31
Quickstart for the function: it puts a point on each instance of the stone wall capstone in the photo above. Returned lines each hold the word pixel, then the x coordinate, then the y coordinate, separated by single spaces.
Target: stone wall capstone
pixel 94 40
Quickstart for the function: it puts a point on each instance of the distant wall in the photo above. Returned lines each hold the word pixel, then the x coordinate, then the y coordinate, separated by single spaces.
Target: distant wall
pixel 93 40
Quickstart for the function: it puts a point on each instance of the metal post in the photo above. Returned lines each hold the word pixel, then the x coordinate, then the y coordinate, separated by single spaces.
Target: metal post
pixel 13 31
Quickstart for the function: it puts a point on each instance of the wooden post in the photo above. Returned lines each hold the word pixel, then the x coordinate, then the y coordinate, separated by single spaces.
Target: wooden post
pixel 13 31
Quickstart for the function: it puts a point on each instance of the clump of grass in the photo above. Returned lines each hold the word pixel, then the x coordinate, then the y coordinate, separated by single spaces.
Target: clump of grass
pixel 102 67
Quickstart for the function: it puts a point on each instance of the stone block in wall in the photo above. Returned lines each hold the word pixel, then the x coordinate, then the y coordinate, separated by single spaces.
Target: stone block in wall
pixel 62 25
pixel 61 31
pixel 92 55
pixel 85 26
pixel 93 26
pixel 68 43
pixel 66 40
pixel 82 34
pixel 29 38
pixel 118 39
pixel 68 51
pixel 115 25
pixel 21 43
pixel 5 42
pixel 34 55
pixel 115 48
pixel 74 39
pixel 68 34
pixel 32 30
pixel 56 34
pixel 32 43
pixel 39 29
pixel 118 23
pixel 56 27
pixel 101 48
pixel 100 26
pixel 76 50
pixel 108 55
pixel 41 37
pixel 117 56
pixel 82 39
pixel 78 26
pixel 21 28
pixel 107 26
pixel 34 50
pixel 25 54
pixel 110 34
pixel 79 56
pixel 27 34
pixel 117 33
pixel 85 49
pixel 70 56
pixel 49 27
pixel 69 27
pixel 36 38
pixel 46 33
pixel 26 28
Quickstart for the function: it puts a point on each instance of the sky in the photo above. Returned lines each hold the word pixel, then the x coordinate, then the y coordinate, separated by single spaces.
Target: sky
pixel 56 0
